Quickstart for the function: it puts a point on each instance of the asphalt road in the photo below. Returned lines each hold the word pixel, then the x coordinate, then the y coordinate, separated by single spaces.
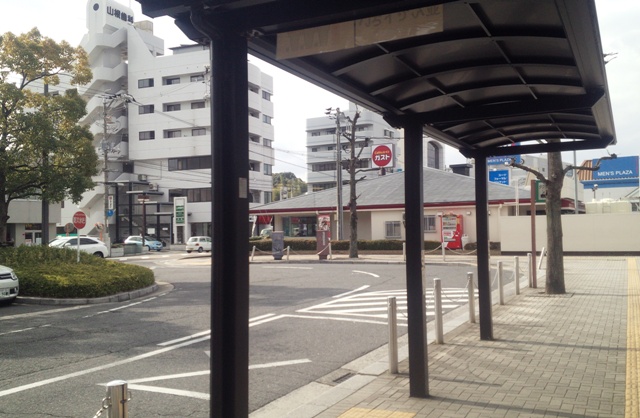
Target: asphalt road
pixel 306 321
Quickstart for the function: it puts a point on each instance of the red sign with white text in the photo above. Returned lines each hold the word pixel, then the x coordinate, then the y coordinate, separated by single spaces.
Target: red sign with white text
pixel 382 156
pixel 79 220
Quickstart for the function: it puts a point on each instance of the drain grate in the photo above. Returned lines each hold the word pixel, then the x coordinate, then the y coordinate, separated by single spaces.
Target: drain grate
pixel 344 377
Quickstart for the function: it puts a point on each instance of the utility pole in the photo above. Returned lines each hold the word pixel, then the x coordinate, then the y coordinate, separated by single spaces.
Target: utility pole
pixel 338 114
pixel 45 202
pixel 105 149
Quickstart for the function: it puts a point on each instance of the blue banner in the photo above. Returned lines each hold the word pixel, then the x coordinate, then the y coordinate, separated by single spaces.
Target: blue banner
pixel 619 168
pixel 499 176
pixel 504 159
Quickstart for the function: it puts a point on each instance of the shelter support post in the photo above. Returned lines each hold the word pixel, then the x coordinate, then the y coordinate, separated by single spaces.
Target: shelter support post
pixel 416 305
pixel 482 230
pixel 229 381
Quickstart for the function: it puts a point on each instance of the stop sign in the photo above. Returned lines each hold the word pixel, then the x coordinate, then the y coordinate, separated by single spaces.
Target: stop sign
pixel 79 220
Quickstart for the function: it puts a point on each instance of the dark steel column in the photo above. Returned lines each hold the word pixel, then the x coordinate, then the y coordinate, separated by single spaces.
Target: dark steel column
pixel 482 230
pixel 414 218
pixel 230 215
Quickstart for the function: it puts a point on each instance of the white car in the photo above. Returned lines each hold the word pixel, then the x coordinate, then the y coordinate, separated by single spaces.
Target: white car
pixel 199 244
pixel 9 285
pixel 87 244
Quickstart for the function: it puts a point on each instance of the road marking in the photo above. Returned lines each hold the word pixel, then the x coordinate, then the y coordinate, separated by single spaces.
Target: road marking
pixel 187 338
pixel 98 368
pixel 264 321
pixel 353 291
pixel 31 314
pixel 366 272
pixel 286 267
pixel 279 364
pixel 16 331
pixel 177 392
pixel 257 318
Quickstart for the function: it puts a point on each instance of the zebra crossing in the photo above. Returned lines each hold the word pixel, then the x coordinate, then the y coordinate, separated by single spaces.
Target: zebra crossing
pixel 374 304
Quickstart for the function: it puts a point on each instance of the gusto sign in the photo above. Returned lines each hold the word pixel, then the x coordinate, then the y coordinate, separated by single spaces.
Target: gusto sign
pixel 382 156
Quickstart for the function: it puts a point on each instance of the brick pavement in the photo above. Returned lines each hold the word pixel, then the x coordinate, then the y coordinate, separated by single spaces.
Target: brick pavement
pixel 552 356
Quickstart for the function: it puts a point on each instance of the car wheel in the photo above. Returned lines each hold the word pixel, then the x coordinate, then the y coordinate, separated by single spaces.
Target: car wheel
pixel 148 249
pixel 188 251
pixel 98 254
pixel 200 249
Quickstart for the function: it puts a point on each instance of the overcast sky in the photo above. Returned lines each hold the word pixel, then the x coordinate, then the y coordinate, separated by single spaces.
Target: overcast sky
pixel 296 100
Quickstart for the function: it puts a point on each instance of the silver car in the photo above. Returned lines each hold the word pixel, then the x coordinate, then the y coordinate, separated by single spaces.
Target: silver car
pixel 9 284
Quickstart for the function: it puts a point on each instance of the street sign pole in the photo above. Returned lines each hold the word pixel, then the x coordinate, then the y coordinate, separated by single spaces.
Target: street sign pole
pixel 79 221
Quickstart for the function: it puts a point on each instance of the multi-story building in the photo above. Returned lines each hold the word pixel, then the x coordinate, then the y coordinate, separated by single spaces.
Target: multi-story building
pixel 371 130
pixel 151 120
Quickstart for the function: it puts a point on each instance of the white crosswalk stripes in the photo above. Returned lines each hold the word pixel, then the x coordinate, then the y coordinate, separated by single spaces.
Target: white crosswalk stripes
pixel 374 304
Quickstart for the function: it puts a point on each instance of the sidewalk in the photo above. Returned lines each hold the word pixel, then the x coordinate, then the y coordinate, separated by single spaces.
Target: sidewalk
pixel 573 355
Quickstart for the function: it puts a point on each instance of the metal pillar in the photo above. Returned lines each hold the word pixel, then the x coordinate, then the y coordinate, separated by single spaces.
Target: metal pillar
pixel 416 305
pixel 482 230
pixel 229 381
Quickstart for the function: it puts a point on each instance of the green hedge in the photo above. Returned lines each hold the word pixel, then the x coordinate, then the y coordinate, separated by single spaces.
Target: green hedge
pixel 54 272
pixel 299 244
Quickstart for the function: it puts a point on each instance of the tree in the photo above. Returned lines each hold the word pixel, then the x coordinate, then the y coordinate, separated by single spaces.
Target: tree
pixel 294 186
pixel 43 151
pixel 554 284
pixel 353 166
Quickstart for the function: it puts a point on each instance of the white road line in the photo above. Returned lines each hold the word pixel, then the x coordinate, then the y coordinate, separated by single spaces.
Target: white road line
pixel 286 267
pixel 98 368
pixel 30 314
pixel 167 377
pixel 264 321
pixel 364 321
pixel 279 364
pixel 187 393
pixel 257 318
pixel 16 331
pixel 352 291
pixel 365 272
pixel 187 338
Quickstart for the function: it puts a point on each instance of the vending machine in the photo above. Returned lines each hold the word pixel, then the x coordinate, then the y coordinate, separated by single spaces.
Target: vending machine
pixel 451 227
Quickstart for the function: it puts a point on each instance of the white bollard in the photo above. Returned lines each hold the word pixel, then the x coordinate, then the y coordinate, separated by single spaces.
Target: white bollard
pixel 437 301
pixel 330 255
pixel 288 248
pixel 117 398
pixel 501 282
pixel 253 252
pixel 392 315
pixel 443 251
pixel 404 251
pixel 529 271
pixel 472 298
pixel 516 272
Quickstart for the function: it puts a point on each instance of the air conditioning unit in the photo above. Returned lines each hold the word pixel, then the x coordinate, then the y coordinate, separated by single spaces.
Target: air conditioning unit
pixel 153 186
pixel 142 177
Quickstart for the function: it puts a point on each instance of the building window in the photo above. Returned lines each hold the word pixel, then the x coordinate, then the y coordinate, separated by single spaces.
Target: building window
pixel 254 196
pixel 197 78
pixel 145 82
pixel 330 132
pixel 430 223
pixel 193 195
pixel 172 107
pixel 314 149
pixel 254 166
pixel 198 132
pixel 147 135
pixel 323 167
pixel 171 80
pixel 392 229
pixel 254 113
pixel 266 119
pixel 316 133
pixel 144 109
pixel 253 88
pixel 268 169
pixel 176 133
pixel 197 105
pixel 266 95
pixel 267 142
pixel 190 163
pixel 388 133
pixel 267 197
pixel 330 148
pixel 433 155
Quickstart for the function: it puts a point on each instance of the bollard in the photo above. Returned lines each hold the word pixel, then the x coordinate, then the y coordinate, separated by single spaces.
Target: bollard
pixel 392 315
pixel 437 301
pixel 117 395
pixel 501 282
pixel 443 251
pixel 472 298
pixel 516 272
pixel 253 252
pixel 330 254
pixel 288 248
pixel 542 254
pixel 404 251
pixel 529 271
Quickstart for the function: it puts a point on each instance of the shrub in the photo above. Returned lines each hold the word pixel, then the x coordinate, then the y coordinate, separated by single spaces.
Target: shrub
pixel 54 272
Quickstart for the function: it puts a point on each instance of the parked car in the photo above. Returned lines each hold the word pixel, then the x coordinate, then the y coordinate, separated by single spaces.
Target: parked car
pixel 199 244
pixel 9 285
pixel 87 244
pixel 149 242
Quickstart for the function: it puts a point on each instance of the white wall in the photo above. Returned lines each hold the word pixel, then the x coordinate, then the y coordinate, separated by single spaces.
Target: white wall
pixel 581 233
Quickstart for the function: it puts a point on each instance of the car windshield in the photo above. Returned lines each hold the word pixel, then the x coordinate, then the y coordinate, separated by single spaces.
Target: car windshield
pixel 58 242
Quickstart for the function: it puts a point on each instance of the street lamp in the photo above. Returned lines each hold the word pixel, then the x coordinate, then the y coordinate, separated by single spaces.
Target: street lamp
pixel 594 188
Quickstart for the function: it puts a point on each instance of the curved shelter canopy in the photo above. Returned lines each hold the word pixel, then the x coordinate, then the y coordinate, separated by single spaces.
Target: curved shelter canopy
pixel 479 75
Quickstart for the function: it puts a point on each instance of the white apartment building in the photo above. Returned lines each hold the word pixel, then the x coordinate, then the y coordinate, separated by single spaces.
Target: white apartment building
pixel 371 130
pixel 150 116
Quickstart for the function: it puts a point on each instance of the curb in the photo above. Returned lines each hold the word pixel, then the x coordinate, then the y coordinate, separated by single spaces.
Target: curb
pixel 120 297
